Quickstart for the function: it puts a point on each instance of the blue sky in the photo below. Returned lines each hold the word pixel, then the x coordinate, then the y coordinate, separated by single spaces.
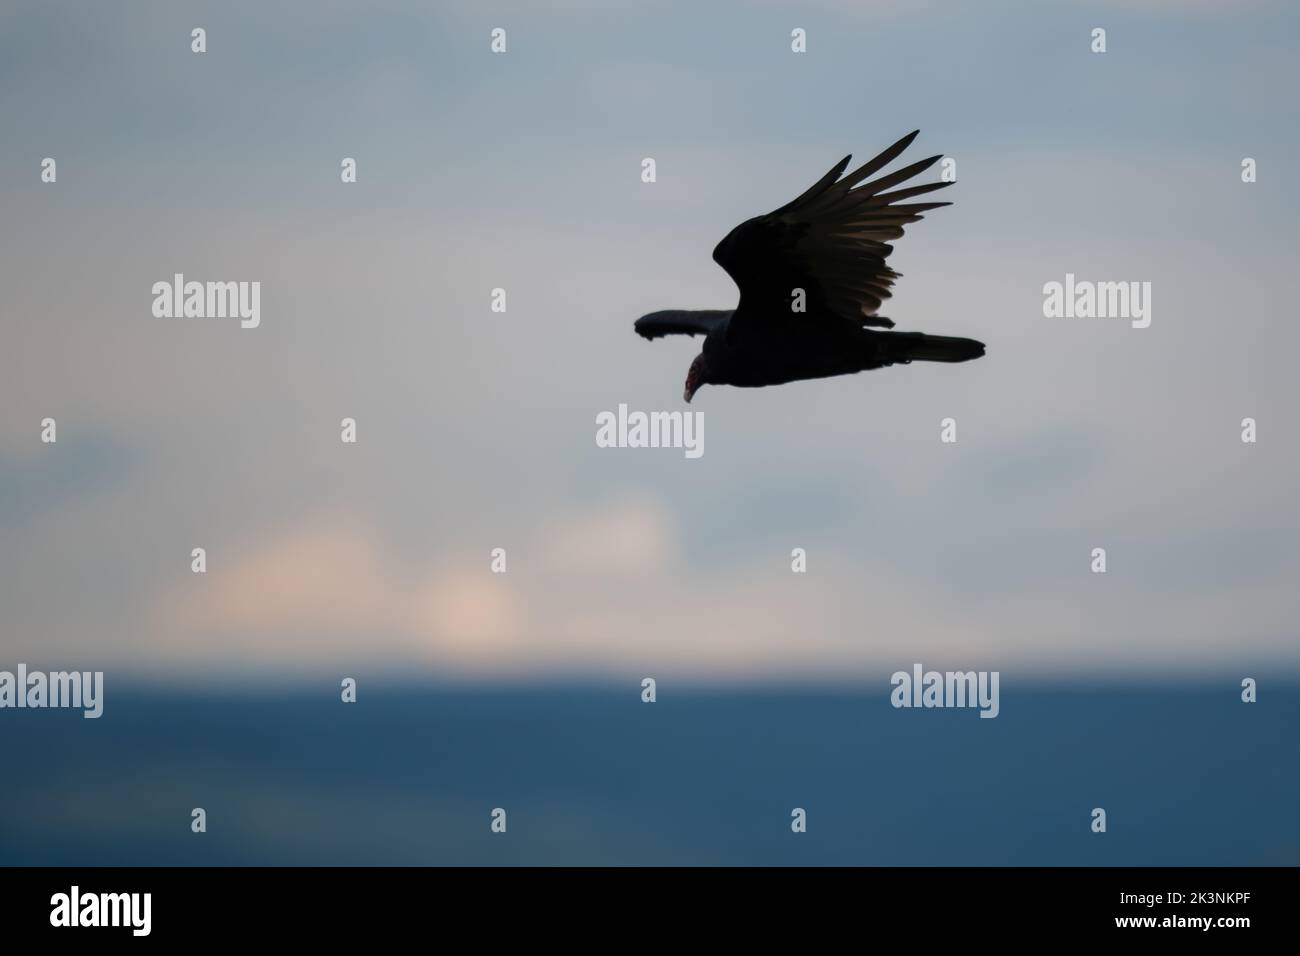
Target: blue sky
pixel 477 429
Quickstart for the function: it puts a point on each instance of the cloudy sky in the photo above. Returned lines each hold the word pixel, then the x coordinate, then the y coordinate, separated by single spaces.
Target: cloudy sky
pixel 476 429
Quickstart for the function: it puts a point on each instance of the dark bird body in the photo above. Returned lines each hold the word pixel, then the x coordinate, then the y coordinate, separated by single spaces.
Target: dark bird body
pixel 825 250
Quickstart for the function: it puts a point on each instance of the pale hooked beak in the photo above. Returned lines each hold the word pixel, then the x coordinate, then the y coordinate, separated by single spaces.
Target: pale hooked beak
pixel 694 379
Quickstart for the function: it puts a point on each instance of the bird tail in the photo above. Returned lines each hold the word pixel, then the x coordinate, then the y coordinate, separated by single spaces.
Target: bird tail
pixel 910 346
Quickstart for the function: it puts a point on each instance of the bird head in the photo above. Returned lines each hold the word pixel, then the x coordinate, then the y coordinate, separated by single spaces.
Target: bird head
pixel 697 376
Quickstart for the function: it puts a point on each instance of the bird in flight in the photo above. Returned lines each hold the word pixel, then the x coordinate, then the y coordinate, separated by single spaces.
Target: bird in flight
pixel 811 276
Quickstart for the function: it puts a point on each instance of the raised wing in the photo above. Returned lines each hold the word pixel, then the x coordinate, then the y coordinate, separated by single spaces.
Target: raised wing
pixel 680 322
pixel 830 242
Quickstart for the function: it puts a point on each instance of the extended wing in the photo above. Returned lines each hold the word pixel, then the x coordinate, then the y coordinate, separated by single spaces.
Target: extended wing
pixel 679 321
pixel 830 242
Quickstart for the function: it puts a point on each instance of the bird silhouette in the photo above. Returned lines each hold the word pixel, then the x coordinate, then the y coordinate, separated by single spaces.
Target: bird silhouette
pixel 811 276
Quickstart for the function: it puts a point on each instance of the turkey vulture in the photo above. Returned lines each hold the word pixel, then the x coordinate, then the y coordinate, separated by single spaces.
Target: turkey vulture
pixel 811 276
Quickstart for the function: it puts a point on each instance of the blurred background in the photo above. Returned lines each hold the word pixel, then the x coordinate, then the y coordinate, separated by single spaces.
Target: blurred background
pixel 476 431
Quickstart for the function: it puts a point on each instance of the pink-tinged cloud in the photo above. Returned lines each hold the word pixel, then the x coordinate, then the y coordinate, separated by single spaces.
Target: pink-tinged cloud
pixel 610 593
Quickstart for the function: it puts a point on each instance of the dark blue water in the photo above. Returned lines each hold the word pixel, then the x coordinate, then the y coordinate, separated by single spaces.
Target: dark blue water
pixel 591 775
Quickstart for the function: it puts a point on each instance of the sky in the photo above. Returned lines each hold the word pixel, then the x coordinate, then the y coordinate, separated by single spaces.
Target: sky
pixel 476 429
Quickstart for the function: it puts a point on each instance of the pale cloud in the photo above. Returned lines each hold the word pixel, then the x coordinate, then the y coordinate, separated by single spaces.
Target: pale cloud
pixel 326 592
pixel 629 539
pixel 607 592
